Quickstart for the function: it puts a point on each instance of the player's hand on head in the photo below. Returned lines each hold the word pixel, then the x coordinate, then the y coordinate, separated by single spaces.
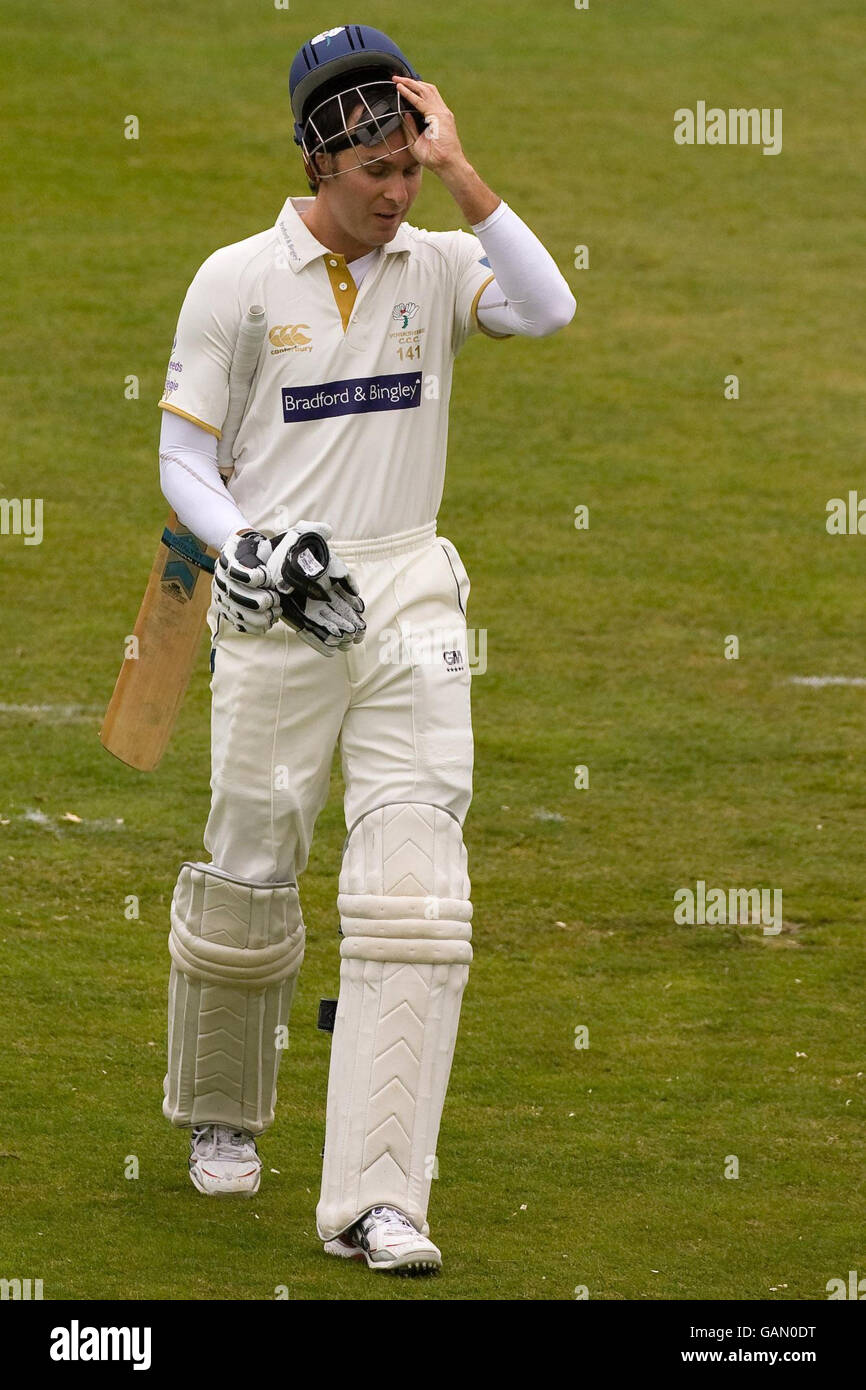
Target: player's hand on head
pixel 439 144
pixel 241 590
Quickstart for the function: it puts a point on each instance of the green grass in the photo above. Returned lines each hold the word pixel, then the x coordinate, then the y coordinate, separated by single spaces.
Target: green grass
pixel 558 1167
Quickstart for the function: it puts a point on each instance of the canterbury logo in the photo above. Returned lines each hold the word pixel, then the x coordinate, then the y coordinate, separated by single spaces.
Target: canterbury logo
pixel 289 335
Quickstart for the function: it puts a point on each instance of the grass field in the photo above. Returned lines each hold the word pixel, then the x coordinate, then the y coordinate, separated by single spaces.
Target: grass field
pixel 601 1167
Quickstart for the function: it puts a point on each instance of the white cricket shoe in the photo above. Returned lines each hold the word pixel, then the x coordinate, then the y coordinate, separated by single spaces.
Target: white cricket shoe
pixel 223 1162
pixel 387 1240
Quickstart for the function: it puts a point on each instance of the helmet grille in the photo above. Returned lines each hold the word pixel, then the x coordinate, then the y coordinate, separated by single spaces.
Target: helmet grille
pixel 360 118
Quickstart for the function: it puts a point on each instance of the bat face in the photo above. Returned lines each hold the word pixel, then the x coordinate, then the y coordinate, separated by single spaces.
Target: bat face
pixel 168 630
pixel 154 676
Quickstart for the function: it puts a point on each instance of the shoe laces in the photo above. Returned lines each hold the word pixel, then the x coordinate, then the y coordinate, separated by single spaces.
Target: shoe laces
pixel 221 1141
pixel 393 1220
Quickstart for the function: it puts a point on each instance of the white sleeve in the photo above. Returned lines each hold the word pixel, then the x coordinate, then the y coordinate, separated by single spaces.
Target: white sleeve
pixel 197 381
pixel 528 295
pixel 192 483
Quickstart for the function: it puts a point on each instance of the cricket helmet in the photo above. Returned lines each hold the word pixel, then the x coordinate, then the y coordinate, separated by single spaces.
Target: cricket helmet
pixel 327 81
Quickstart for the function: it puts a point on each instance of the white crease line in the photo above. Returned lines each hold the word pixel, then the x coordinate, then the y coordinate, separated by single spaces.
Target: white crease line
pixel 59 823
pixel 817 682
pixel 59 714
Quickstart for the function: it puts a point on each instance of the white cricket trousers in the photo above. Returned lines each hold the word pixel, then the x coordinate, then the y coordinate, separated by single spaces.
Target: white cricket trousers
pixel 398 703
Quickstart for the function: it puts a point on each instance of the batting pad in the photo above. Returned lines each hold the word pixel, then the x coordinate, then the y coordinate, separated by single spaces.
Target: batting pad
pixel 405 914
pixel 236 950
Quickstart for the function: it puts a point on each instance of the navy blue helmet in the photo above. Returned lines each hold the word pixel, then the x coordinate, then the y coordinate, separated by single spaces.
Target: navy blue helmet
pixel 342 69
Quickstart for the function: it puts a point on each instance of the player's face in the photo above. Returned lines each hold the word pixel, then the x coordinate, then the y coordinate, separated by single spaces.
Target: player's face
pixel 371 200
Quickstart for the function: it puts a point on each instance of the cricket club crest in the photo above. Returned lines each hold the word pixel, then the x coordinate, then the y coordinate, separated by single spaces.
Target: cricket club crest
pixel 327 35
pixel 402 313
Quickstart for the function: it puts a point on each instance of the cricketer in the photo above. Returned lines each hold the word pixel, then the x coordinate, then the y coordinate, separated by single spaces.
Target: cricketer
pixel 345 422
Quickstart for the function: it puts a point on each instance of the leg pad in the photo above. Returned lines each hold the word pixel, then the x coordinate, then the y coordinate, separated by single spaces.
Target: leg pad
pixel 236 948
pixel 406 921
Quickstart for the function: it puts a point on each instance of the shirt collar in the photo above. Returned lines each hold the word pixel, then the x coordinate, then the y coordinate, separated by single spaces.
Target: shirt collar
pixel 301 247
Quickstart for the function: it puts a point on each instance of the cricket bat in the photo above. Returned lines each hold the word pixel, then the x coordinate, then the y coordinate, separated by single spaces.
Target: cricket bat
pixel 159 660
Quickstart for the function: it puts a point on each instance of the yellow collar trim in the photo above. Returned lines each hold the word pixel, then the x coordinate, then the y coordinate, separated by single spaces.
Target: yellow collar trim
pixel 343 287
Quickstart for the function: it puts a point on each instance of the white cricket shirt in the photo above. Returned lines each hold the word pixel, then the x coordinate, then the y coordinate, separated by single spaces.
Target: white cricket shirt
pixel 348 416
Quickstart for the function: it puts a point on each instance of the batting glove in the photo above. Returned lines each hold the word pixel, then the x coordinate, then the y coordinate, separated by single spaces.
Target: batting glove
pixel 318 596
pixel 242 592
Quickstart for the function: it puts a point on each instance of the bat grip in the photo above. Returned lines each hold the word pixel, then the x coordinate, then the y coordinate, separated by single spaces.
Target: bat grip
pixel 188 546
